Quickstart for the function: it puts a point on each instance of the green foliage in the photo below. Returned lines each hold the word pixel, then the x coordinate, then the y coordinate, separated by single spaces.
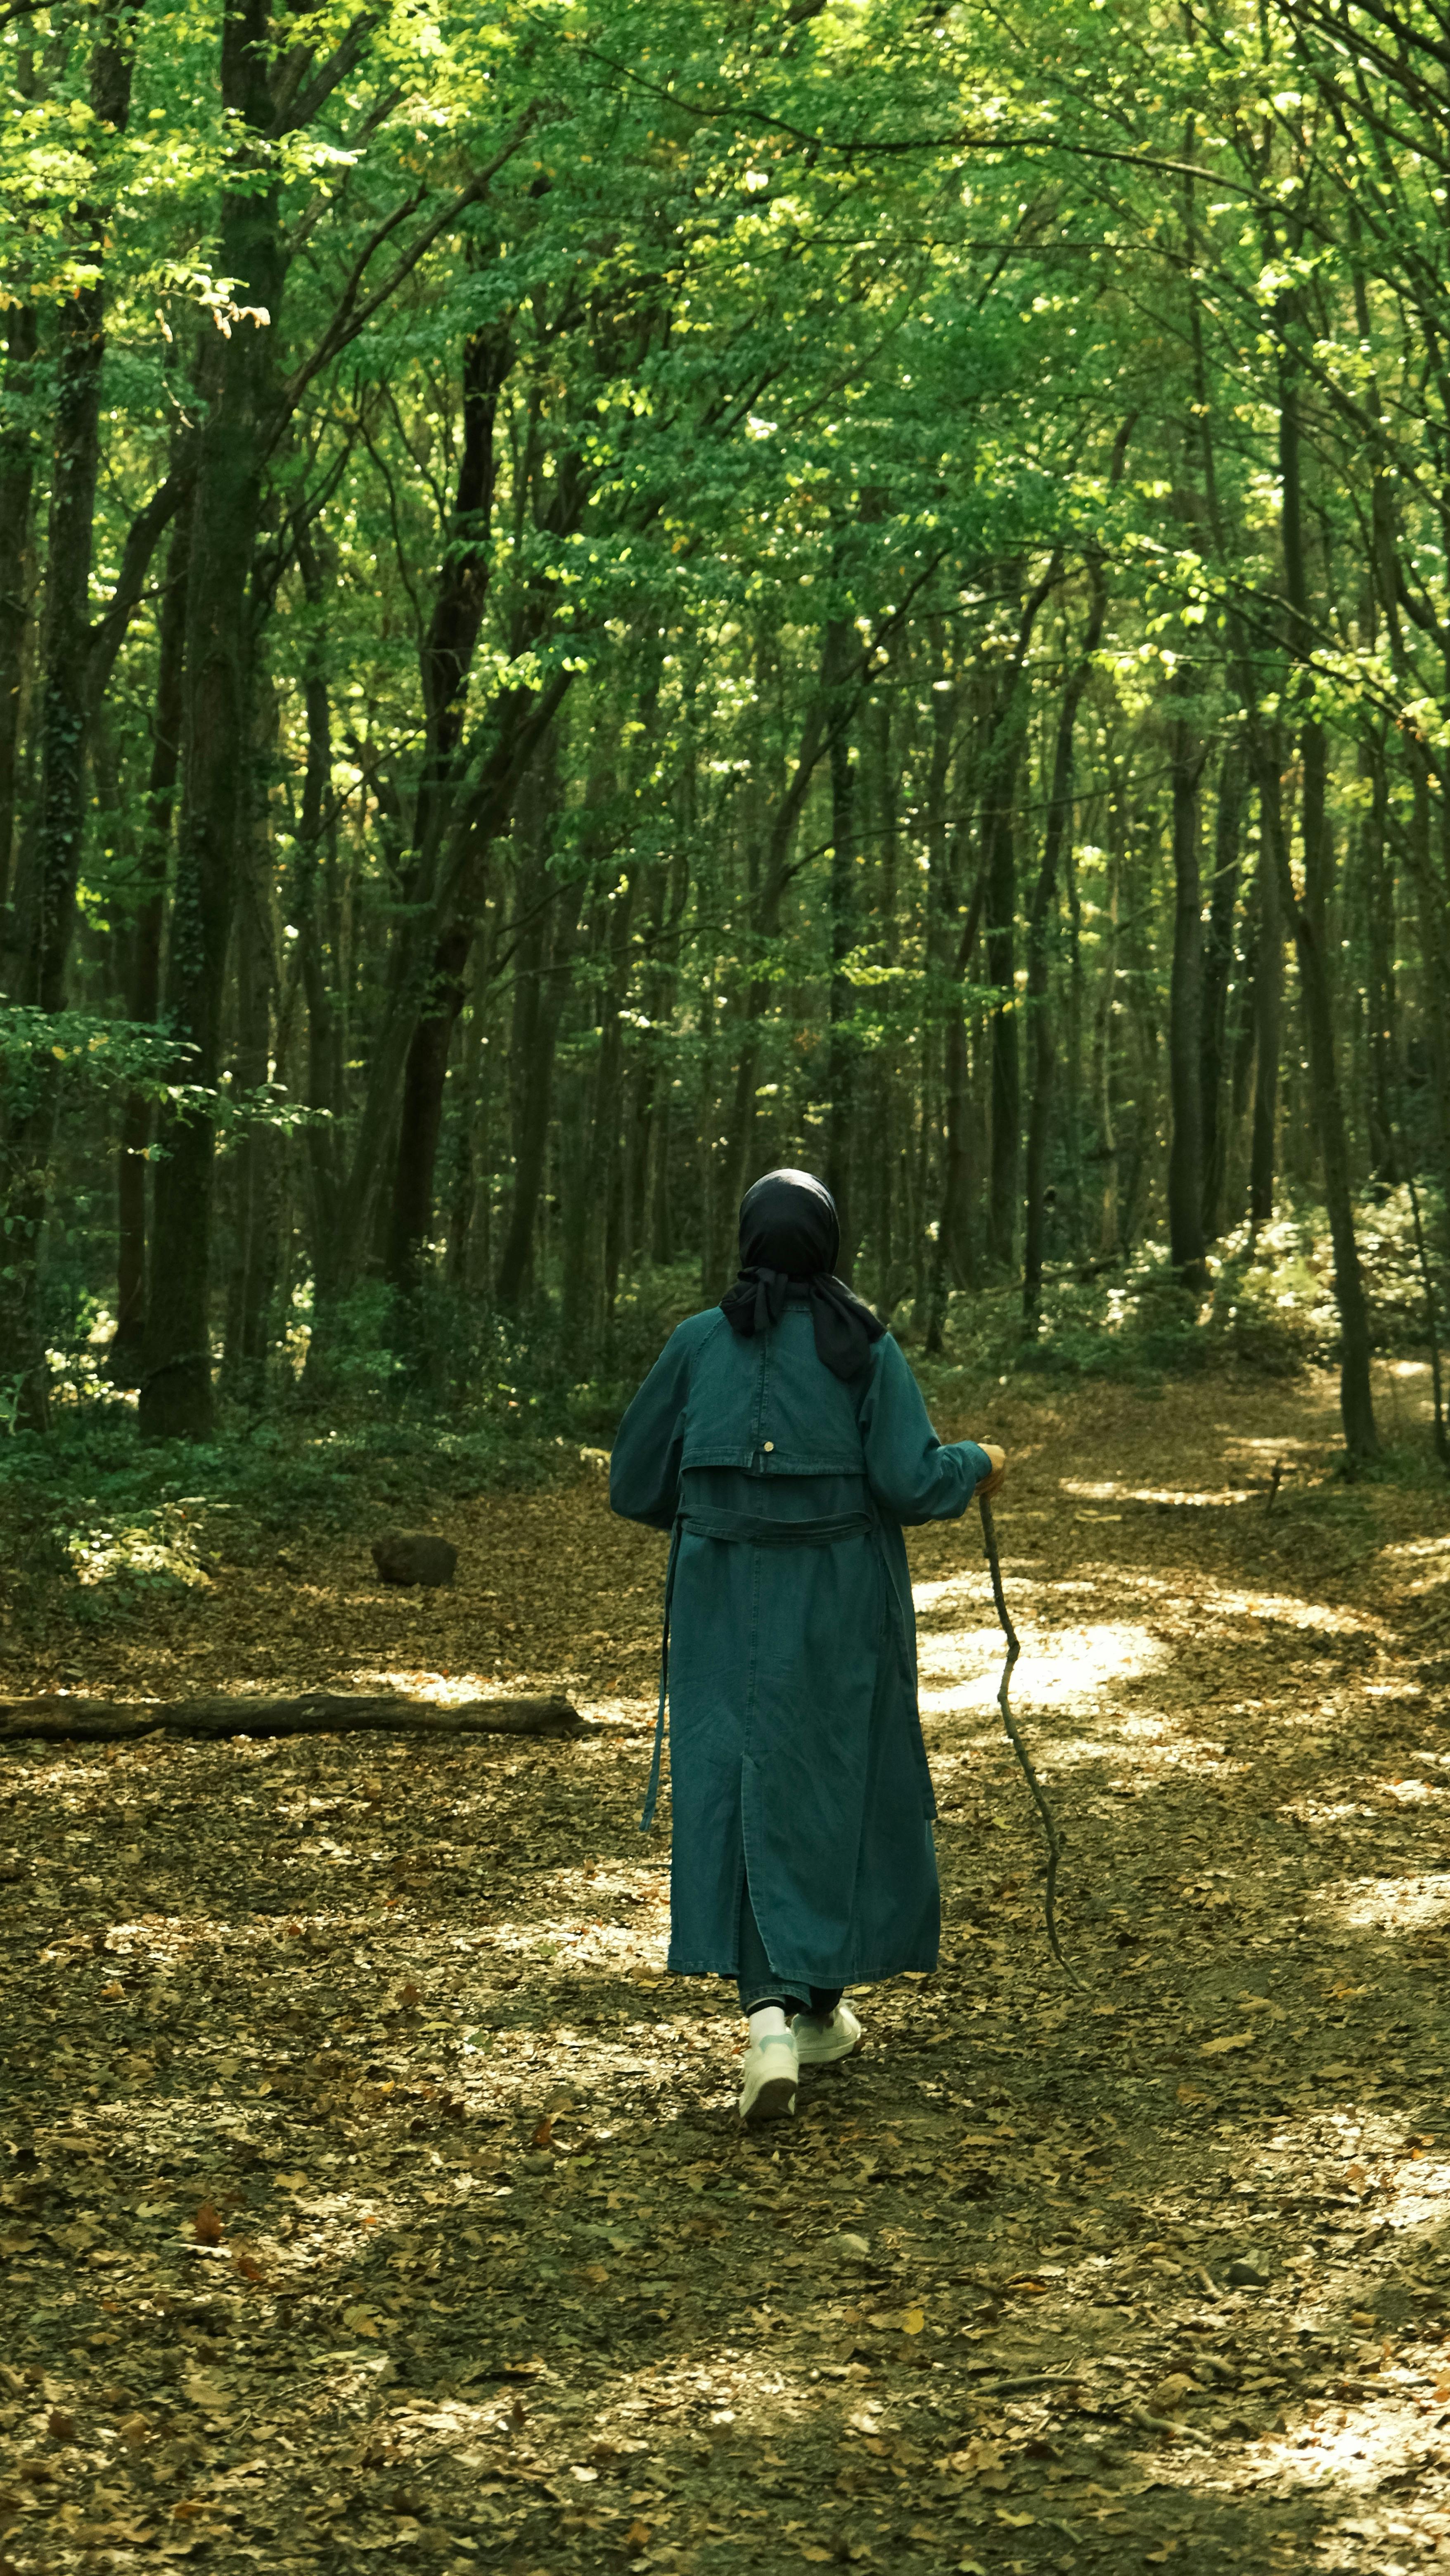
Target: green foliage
pixel 689 449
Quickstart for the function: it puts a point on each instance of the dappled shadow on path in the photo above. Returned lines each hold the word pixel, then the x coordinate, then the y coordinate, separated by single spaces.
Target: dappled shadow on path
pixel 369 2186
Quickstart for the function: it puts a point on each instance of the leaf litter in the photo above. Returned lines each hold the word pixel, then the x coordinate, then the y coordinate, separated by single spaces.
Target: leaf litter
pixel 367 2187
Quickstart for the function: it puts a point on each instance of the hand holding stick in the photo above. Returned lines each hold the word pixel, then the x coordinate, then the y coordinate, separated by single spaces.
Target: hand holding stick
pixel 1014 1649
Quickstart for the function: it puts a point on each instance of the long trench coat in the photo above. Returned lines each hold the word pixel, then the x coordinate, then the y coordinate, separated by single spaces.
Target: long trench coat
pixel 796 1759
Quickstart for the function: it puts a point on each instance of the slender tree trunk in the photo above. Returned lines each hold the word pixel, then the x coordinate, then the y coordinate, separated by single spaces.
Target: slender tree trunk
pixel 545 917
pixel 606 1162
pixel 1218 961
pixel 17 475
pixel 999 861
pixel 950 1257
pixel 1268 1010
pixel 1056 837
pixel 323 967
pixel 253 1274
pixel 470 1132
pixel 1378 887
pixel 1185 1013
pixel 143 981
pixel 1433 913
pixel 47 890
pixel 841 1065
pixel 886 1083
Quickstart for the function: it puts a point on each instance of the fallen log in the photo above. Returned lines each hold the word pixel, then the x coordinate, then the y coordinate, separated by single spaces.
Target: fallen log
pixel 60 1718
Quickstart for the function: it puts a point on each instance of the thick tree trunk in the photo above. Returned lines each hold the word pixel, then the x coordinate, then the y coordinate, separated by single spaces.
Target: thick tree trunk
pixel 1309 917
pixel 420 1118
pixel 176 1391
pixel 447 660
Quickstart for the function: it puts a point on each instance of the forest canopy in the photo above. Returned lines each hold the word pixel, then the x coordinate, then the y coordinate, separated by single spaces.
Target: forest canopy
pixel 596 597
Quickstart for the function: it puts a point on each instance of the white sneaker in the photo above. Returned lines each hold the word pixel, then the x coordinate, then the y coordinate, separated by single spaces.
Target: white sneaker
pixel 820 2043
pixel 772 2072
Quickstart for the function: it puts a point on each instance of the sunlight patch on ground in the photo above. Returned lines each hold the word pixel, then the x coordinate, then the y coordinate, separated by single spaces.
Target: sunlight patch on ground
pixel 960 1666
pixel 449 1690
pixel 1110 1491
pixel 1432 1555
pixel 1286 1609
pixel 1388 1904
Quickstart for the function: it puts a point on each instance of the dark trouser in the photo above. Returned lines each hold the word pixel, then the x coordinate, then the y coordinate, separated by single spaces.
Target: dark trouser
pixel 759 1983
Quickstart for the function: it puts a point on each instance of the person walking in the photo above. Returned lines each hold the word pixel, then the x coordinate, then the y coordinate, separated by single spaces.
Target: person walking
pixel 783 1443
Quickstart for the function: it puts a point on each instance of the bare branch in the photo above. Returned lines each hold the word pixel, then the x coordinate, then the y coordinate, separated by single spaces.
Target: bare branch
pixel 351 317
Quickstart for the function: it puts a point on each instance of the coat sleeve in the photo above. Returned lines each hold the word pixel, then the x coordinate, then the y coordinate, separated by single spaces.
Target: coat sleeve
pixel 913 1475
pixel 644 1465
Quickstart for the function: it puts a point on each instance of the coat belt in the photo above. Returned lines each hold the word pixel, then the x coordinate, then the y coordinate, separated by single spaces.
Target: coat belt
pixel 743 1529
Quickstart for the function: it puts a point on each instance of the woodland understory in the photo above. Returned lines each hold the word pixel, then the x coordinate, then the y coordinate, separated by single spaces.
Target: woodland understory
pixel 590 601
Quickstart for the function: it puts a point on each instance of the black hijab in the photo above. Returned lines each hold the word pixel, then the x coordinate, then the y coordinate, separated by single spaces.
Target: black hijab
pixel 790 1240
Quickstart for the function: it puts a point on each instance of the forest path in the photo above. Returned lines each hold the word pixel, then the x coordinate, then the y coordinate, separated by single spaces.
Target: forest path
pixel 369 2187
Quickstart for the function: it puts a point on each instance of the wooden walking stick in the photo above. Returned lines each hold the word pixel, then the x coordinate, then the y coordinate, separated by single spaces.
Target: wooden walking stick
pixel 1014 1649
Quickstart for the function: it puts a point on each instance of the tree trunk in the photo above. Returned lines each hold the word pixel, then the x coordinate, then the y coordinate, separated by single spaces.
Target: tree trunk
pixel 447 659
pixel 17 476
pixel 1217 970
pixel 469 1158
pixel 606 1159
pixel 47 891
pixel 1001 868
pixel 1378 888
pixel 545 915
pixel 323 981
pixel 886 1083
pixel 1309 918
pixel 1268 1003
pixel 124 1360
pixel 999 863
pixel 1185 1009
pixel 1056 837
pixel 254 1260
pixel 951 1253
pixel 176 1391
pixel 420 1119
pixel 841 1067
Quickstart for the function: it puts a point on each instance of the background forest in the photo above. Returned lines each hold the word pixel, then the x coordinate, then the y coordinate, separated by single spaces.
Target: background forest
pixel 592 598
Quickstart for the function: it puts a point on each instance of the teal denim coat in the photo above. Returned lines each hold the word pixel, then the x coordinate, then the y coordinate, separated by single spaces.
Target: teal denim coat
pixel 796 1757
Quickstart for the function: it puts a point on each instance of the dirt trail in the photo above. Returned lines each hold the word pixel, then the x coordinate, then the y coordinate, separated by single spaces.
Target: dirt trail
pixel 367 2188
